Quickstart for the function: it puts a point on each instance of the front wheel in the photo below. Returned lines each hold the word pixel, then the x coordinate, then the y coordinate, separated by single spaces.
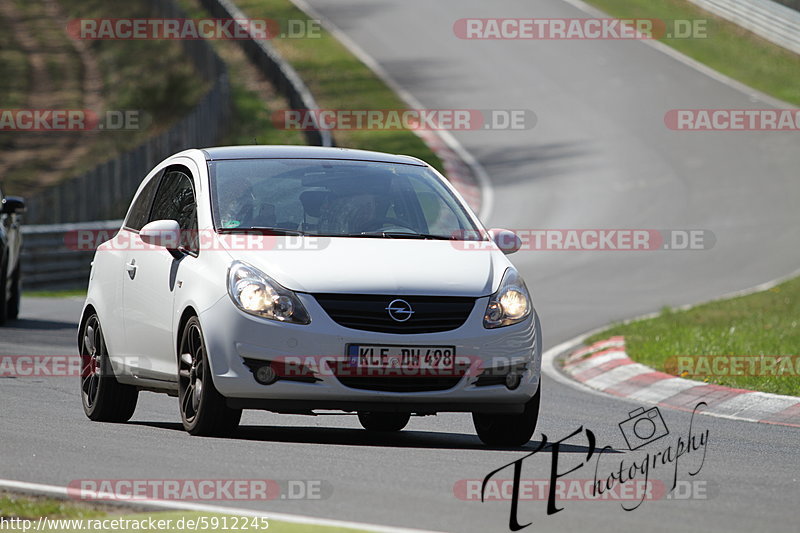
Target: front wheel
pixel 203 408
pixel 104 398
pixel 509 429
pixel 383 421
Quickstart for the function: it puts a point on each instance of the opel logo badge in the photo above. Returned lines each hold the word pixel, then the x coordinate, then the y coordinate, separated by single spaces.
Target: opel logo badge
pixel 400 310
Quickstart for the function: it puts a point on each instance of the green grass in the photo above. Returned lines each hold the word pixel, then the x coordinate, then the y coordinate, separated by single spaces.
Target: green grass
pixel 67 293
pixel 33 507
pixel 339 80
pixel 15 506
pixel 154 77
pixel 253 98
pixel 727 48
pixel 764 323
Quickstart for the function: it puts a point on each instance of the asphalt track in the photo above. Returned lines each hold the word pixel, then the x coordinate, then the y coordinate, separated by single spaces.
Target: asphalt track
pixel 599 157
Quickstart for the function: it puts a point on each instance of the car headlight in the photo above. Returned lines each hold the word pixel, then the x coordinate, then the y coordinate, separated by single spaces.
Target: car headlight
pixel 256 293
pixel 510 304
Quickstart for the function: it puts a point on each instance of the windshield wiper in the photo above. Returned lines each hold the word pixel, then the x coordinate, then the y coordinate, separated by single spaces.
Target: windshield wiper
pixel 262 230
pixel 402 235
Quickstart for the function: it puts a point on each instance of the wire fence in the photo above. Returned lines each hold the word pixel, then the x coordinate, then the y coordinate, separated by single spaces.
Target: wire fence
pixel 104 191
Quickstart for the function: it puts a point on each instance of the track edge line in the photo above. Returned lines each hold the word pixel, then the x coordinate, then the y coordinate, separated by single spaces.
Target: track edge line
pixel 62 492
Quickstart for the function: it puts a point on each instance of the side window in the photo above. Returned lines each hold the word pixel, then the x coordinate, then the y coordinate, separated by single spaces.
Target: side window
pixel 137 217
pixel 175 201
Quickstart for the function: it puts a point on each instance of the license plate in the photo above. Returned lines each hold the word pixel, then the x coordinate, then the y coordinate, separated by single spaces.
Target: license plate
pixel 402 357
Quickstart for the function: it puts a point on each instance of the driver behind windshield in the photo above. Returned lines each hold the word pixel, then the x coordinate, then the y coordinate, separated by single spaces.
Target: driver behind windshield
pixel 239 206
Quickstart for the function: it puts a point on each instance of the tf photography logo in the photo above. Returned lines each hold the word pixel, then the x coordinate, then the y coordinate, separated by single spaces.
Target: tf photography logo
pixel 643 427
pixel 628 477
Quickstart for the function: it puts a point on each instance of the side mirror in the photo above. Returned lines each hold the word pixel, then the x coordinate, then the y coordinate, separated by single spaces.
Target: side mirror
pixel 506 240
pixel 166 233
pixel 12 205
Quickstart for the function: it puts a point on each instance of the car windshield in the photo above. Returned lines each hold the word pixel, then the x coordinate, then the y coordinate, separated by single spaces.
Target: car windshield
pixel 335 198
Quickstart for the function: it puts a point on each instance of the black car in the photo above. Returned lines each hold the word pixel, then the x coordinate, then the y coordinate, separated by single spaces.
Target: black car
pixel 11 209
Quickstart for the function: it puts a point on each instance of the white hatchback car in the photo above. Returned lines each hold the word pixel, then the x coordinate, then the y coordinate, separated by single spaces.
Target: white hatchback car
pixel 294 279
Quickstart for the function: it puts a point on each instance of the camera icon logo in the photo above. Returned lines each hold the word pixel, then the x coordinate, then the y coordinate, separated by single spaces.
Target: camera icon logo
pixel 643 427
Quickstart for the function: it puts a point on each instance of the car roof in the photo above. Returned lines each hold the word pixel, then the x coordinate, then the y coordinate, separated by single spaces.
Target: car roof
pixel 304 152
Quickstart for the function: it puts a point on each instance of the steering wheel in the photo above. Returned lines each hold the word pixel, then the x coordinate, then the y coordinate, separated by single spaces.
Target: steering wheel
pixel 377 224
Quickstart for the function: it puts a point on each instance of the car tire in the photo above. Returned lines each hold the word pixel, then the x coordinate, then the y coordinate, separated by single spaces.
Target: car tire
pixel 104 398
pixel 12 311
pixel 497 429
pixel 383 421
pixel 204 411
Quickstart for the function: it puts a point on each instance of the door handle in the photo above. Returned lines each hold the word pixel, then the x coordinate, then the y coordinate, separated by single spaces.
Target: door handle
pixel 131 268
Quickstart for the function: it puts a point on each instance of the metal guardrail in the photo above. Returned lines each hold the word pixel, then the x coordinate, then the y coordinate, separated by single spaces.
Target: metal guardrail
pixel 277 70
pixel 774 22
pixel 48 260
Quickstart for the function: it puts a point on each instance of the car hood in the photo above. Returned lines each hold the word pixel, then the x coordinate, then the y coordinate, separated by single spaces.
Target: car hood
pixel 375 266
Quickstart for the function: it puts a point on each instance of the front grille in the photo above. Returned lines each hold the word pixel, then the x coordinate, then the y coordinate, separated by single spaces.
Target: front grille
pixel 397 380
pixel 401 384
pixel 368 312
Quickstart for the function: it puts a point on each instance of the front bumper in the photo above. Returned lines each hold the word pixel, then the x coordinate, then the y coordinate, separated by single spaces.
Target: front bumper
pixel 232 336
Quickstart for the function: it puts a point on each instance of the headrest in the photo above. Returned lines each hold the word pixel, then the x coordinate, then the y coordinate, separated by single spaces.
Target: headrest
pixel 312 201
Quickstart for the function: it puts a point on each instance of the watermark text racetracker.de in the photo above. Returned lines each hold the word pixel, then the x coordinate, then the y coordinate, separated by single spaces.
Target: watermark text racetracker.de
pixel 405 119
pixel 68 365
pixel 700 366
pixel 578 28
pixel 30 366
pixel 622 239
pixel 581 490
pixel 733 119
pixel 113 239
pixel 70 120
pixel 138 29
pixel 198 489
